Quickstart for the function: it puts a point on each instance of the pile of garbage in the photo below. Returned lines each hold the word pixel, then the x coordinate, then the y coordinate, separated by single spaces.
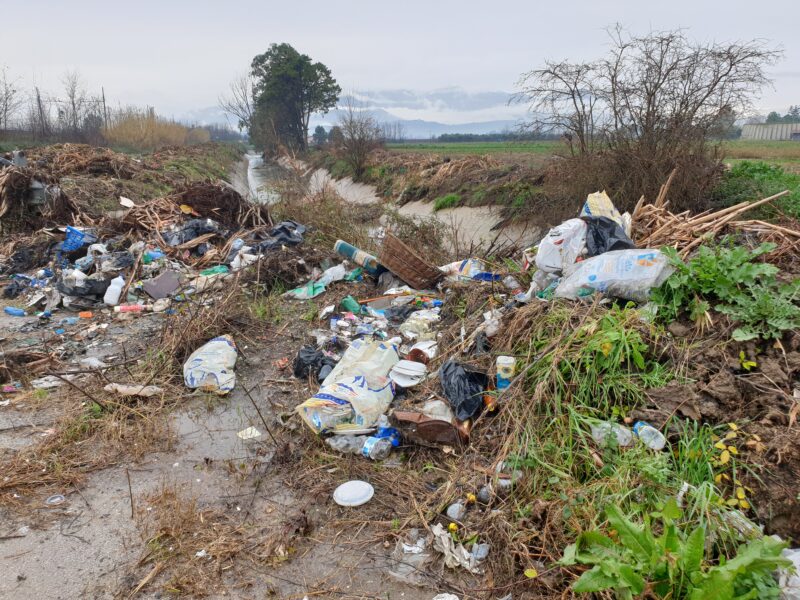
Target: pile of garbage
pixel 30 198
pixel 153 267
pixel 375 348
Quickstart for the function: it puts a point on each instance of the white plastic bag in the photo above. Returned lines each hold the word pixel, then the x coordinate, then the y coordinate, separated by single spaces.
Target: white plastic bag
pixel 336 273
pixel 349 403
pixel 626 274
pixel 364 358
pixel 561 247
pixel 210 367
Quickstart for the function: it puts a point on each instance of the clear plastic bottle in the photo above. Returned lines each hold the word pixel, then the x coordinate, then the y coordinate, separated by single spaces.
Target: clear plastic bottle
pixel 650 436
pixel 347 444
pixel 601 431
pixel 377 448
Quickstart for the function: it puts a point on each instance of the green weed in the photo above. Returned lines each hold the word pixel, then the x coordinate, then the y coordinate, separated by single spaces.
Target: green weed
pixel 728 279
pixel 448 201
pixel 751 180
pixel 671 565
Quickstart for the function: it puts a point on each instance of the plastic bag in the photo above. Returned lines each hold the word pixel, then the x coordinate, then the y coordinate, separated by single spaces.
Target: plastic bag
pixel 349 403
pixel 600 205
pixel 210 367
pixel 310 290
pixel 364 358
pixel 605 235
pixel 463 387
pixel 310 361
pixel 336 273
pixel 627 274
pixel 561 247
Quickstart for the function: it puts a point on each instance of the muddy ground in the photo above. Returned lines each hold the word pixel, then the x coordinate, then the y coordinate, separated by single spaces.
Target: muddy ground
pixel 91 545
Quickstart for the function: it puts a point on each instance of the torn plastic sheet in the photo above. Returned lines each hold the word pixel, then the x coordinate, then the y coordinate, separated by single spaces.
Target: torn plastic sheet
pixel 455 555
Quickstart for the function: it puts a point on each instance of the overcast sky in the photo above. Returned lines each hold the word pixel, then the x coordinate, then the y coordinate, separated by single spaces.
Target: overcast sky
pixel 179 55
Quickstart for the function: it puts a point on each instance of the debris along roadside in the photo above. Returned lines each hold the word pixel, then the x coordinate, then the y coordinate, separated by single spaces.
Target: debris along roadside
pixel 490 407
pixel 545 411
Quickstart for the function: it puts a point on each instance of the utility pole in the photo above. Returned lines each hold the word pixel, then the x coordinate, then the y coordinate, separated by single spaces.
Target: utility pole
pixel 42 122
pixel 105 110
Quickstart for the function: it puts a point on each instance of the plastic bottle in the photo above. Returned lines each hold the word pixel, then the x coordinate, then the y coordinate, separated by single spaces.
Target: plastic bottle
pixel 385 430
pixel 650 436
pixel 506 368
pixel 601 431
pixel 347 444
pixel 114 291
pixel 376 448
pixel 133 308
pixel 14 311
pixel 372 447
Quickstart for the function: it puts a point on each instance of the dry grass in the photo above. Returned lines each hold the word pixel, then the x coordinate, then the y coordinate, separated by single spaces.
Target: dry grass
pixel 175 528
pixel 143 130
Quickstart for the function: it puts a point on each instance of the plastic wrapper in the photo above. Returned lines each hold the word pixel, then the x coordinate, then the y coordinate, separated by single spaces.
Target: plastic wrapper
pixel 364 358
pixel 210 367
pixel 419 326
pixel 349 403
pixel 600 205
pixel 626 274
pixel 561 247
pixel 463 387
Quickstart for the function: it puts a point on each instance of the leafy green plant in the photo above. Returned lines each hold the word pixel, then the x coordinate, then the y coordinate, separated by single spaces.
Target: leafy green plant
pixel 728 277
pixel 671 564
pixel 448 201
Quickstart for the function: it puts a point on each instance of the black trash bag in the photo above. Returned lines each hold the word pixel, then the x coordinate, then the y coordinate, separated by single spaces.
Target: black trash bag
pixel 94 286
pixel 604 235
pixel 397 315
pixel 191 229
pixel 463 387
pixel 285 233
pixel 15 288
pixel 310 361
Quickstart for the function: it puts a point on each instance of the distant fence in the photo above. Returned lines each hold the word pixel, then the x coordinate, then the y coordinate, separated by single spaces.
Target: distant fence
pixel 772 131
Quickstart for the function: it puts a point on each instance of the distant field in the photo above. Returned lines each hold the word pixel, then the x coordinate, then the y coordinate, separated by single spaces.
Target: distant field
pixel 785 154
pixel 542 147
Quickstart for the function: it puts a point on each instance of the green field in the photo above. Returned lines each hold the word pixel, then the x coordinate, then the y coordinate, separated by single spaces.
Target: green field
pixel 538 147
pixel 784 154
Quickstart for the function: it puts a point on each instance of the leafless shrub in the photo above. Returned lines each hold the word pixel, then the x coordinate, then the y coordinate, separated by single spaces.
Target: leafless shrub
pixel 652 104
pixel 360 136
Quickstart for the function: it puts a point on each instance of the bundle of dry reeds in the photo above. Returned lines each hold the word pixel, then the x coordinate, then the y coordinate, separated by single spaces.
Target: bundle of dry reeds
pixel 653 225
pixel 66 159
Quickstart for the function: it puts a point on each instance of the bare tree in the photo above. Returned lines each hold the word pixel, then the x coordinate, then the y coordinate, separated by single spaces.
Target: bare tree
pixel 360 136
pixel 11 99
pixel 239 101
pixel 393 132
pixel 72 109
pixel 647 107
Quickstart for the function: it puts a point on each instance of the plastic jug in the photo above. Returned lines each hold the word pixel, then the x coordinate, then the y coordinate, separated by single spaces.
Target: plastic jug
pixel 114 291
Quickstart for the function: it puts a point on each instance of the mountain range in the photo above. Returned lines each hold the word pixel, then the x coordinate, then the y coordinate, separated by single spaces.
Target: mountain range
pixel 421 115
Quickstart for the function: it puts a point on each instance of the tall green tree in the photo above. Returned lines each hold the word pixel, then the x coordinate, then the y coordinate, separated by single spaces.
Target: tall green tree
pixel 320 135
pixel 288 87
